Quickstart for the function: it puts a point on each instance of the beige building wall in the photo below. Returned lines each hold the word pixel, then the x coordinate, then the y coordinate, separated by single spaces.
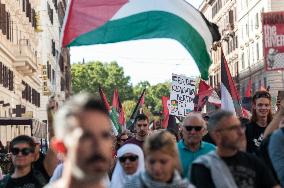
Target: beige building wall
pixel 251 48
pixel 224 14
pixel 246 59
pixel 28 40
pixel 18 54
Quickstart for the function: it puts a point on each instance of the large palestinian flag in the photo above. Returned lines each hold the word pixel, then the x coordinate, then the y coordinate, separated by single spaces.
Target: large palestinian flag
pixel 108 21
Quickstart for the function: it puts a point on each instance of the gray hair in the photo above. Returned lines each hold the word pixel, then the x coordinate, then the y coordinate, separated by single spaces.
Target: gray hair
pixel 193 115
pixel 216 118
pixel 65 118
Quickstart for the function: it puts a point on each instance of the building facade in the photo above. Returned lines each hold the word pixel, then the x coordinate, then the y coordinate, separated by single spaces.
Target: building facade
pixel 224 14
pixel 251 47
pixel 27 42
pixel 240 26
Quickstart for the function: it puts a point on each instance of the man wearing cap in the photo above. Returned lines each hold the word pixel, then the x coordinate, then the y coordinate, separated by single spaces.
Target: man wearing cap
pixel 192 146
pixel 228 166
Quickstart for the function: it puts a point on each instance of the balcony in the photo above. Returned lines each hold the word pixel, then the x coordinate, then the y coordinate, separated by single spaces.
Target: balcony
pixel 25 59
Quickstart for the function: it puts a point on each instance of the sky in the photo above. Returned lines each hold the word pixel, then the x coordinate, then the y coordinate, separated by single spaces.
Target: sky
pixel 153 60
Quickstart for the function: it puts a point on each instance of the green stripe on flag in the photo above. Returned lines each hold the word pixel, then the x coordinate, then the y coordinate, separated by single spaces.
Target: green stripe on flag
pixel 152 24
pixel 114 118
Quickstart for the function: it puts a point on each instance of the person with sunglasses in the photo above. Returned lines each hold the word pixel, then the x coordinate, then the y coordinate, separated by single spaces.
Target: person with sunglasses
pixel 228 166
pixel 261 117
pixel 142 130
pixel 123 137
pixel 191 146
pixel 162 164
pixel 22 149
pixel 130 163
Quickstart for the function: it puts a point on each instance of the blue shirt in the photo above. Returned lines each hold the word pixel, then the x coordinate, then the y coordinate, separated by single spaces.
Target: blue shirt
pixel 187 157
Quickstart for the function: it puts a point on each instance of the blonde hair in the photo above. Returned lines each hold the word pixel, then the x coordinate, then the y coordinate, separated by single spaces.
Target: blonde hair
pixel 162 141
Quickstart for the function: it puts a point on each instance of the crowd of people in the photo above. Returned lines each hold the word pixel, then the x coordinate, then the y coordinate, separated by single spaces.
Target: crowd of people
pixel 219 150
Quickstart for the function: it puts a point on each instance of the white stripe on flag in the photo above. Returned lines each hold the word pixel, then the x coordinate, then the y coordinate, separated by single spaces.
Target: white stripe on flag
pixel 226 100
pixel 178 7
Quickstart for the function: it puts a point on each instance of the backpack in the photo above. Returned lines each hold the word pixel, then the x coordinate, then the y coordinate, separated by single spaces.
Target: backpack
pixel 36 174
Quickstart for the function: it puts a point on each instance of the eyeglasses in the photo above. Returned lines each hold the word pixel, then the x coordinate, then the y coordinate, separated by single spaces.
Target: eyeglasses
pixel 24 151
pixel 241 127
pixel 144 125
pixel 190 128
pixel 131 158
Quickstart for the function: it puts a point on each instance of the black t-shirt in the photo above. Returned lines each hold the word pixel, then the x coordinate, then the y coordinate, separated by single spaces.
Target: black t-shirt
pixel 254 135
pixel 28 181
pixel 247 171
pixel 39 166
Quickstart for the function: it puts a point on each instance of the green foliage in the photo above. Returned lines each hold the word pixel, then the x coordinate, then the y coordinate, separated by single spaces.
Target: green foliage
pixel 88 77
pixel 128 107
pixel 153 98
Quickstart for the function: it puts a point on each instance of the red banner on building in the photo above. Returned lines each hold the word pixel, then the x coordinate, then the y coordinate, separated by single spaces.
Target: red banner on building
pixel 273 40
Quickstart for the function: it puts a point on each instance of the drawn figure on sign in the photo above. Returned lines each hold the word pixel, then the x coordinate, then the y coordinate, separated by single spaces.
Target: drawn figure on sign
pixel 174 105
pixel 271 57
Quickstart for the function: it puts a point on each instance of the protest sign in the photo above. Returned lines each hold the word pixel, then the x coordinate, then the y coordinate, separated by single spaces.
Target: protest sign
pixel 182 95
pixel 273 40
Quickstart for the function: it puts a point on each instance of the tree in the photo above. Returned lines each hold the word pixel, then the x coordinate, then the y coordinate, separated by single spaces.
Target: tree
pixel 88 77
pixel 153 97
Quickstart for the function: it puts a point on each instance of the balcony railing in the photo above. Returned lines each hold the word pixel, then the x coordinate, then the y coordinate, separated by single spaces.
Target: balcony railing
pixel 25 59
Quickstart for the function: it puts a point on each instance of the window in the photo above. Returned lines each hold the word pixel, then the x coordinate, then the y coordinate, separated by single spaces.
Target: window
pixel 243 61
pixel 24 5
pixel 50 13
pixel 247 30
pixel 53 76
pixel 48 71
pixel 257 51
pixel 252 54
pixel 248 56
pixel 62 84
pixel 259 84
pixel 253 87
pixel 53 47
pixel 256 21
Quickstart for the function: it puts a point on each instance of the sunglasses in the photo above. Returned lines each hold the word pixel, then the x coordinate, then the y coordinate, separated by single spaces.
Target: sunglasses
pixel 144 125
pixel 24 151
pixel 131 158
pixel 190 128
pixel 123 140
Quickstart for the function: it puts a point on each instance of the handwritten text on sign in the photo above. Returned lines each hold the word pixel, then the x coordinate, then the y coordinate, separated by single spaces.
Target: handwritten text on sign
pixel 182 95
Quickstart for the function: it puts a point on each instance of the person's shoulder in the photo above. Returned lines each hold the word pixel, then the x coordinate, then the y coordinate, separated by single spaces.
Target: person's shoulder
pixel 252 159
pixel 180 143
pixel 4 181
pixel 208 146
pixel 134 182
pixel 278 133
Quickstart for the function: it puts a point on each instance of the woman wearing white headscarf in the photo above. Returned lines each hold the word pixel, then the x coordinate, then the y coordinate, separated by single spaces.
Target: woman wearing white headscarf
pixel 130 162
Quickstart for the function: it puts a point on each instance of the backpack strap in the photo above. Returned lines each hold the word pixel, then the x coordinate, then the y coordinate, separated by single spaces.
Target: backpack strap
pixel 4 181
